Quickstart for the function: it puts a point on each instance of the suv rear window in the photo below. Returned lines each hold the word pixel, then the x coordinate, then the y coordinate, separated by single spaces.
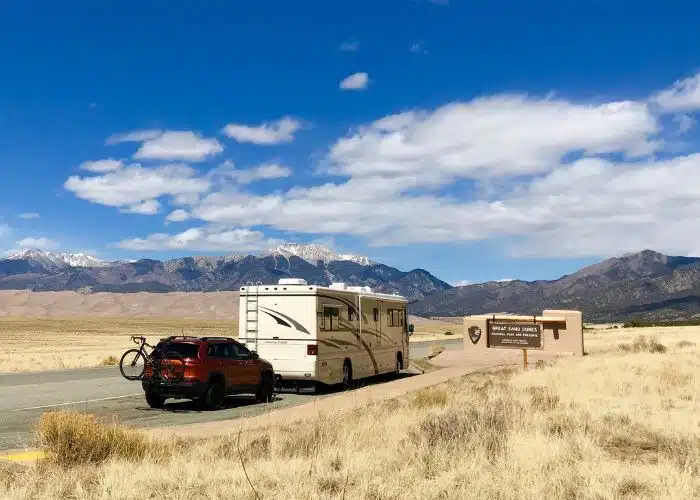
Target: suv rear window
pixel 183 349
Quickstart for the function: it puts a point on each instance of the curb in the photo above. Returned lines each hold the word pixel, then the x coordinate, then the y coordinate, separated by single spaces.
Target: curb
pixel 26 456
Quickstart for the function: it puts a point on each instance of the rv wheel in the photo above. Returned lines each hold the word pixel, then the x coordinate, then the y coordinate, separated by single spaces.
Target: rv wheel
pixel 347 375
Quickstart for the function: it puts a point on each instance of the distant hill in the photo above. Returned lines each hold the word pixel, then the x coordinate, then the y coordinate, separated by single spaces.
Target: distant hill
pixel 642 286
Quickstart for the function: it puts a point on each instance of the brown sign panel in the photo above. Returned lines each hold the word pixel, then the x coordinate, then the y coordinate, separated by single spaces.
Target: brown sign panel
pixel 515 335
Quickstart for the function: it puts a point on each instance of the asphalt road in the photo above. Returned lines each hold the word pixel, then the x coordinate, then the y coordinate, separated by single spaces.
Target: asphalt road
pixel 25 397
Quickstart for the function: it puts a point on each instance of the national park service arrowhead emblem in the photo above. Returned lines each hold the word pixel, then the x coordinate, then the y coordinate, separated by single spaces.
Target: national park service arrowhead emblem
pixel 474 334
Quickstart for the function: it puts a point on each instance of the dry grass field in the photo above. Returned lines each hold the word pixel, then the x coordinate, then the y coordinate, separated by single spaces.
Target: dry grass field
pixel 33 344
pixel 622 422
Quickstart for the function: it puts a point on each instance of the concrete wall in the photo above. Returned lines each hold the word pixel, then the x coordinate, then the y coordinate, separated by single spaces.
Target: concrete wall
pixel 562 330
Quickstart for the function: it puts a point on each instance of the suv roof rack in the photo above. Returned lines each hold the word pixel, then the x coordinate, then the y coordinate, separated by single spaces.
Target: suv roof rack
pixel 217 338
pixel 171 337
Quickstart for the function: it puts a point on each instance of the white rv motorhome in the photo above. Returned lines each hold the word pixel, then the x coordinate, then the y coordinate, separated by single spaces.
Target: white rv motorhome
pixel 324 335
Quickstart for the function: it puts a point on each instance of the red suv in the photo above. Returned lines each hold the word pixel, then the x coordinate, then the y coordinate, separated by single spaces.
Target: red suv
pixel 209 369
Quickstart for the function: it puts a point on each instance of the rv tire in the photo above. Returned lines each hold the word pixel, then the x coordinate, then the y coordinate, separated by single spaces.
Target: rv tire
pixel 347 374
pixel 266 389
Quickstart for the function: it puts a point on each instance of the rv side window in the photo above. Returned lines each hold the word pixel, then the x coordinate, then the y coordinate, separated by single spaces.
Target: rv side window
pixel 393 317
pixel 330 318
pixel 376 314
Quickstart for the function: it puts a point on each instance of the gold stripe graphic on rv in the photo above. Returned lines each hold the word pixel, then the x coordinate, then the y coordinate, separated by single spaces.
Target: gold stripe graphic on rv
pixel 278 316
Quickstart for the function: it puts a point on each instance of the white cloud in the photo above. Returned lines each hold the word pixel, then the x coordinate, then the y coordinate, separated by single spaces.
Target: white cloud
pixel 227 171
pixel 206 238
pixel 277 132
pixel 395 163
pixel 683 95
pixel 493 137
pixel 134 184
pixel 550 177
pixel 134 136
pixel 356 81
pixel 418 48
pixel 147 207
pixel 349 46
pixel 178 215
pixel 100 166
pixel 41 242
pixel 29 215
pixel 178 145
pixel 462 283
pixel 685 123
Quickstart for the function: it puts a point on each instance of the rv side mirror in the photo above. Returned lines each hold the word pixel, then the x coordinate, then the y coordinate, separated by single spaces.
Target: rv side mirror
pixel 410 329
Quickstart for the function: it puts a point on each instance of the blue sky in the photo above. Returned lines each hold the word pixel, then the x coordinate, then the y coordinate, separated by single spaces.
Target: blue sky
pixel 478 140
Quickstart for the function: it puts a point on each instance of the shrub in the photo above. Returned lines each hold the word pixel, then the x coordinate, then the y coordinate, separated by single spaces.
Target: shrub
pixel 109 361
pixel 643 344
pixel 70 438
pixel 429 398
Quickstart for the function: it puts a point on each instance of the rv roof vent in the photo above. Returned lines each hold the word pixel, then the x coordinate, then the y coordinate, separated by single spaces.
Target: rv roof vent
pixel 367 289
pixel 338 286
pixel 292 281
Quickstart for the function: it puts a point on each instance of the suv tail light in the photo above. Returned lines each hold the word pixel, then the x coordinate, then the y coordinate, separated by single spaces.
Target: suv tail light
pixel 312 350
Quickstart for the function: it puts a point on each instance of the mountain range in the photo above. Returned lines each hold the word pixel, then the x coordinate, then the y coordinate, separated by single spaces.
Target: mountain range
pixel 644 286
pixel 39 270
pixel 640 286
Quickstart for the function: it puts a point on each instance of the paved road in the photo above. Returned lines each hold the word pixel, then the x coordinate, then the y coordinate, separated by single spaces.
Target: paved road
pixel 104 392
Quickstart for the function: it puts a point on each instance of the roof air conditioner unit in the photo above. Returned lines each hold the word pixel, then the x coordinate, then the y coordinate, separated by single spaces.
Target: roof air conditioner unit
pixel 292 281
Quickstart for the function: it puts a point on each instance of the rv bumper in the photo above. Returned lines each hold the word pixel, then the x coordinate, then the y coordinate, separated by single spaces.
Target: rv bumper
pixel 283 383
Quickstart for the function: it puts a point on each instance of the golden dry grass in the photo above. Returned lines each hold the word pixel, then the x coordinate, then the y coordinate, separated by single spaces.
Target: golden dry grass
pixel 612 425
pixel 32 344
pixel 35 344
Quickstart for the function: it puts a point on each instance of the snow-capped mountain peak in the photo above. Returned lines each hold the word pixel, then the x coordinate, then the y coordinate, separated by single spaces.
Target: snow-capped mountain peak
pixel 57 260
pixel 313 252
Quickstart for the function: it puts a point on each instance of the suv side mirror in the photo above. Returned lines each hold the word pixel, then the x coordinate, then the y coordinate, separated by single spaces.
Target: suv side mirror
pixel 410 329
pixel 254 355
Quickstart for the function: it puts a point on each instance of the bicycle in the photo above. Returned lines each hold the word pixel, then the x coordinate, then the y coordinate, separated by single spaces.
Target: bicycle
pixel 163 366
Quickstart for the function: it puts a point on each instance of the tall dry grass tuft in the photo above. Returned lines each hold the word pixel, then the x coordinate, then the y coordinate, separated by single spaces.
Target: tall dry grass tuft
pixel 70 439
pixel 644 344
pixel 429 398
pixel 109 361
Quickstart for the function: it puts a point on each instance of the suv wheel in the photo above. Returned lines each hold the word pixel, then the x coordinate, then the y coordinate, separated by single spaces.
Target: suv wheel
pixel 213 396
pixel 265 390
pixel 154 400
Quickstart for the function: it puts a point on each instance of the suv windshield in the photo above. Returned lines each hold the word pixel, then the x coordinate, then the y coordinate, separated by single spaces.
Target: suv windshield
pixel 183 349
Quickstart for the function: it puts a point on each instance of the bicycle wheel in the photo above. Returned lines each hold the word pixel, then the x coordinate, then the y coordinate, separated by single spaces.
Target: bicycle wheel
pixel 133 364
pixel 172 366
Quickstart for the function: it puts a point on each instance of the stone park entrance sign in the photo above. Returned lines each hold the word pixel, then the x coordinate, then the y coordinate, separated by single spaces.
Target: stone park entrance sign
pixel 555 330
pixel 515 335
